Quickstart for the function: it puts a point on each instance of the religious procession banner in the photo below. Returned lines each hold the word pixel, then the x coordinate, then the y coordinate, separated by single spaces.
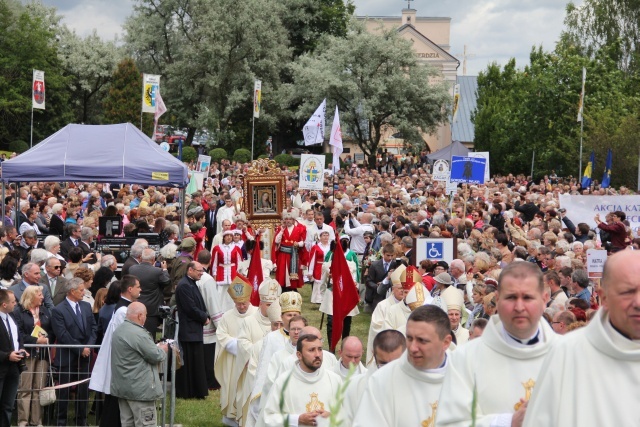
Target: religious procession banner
pixel 150 86
pixel 585 208
pixel 203 164
pixel 468 169
pixel 37 99
pixel 311 172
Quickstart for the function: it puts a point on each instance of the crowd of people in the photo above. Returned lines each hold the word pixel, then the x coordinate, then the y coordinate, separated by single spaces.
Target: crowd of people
pixel 519 281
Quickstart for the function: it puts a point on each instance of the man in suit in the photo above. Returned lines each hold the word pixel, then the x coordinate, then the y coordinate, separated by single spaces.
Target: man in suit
pixel 86 243
pixel 378 275
pixel 70 242
pixel 210 223
pixel 54 280
pixel 152 281
pixel 407 248
pixel 11 238
pixel 134 255
pixel 73 324
pixel 31 274
pixel 10 355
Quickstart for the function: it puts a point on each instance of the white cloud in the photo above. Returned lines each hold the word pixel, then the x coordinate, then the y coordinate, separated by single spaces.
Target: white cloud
pixel 493 30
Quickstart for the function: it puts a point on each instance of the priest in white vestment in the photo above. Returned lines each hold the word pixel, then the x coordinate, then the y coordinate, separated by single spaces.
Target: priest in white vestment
pixel 228 211
pixel 397 295
pixel 504 365
pixel 406 391
pixel 455 308
pixel 227 348
pixel 291 306
pixel 388 346
pixel 309 393
pixel 591 375
pixel 252 331
pixel 350 356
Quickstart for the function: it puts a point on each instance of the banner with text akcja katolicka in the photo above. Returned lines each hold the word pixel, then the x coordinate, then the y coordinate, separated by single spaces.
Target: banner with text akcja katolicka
pixel 585 208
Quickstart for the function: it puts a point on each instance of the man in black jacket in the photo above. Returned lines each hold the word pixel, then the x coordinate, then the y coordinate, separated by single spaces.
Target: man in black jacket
pixel 192 314
pixel 152 281
pixel 378 275
pixel 10 355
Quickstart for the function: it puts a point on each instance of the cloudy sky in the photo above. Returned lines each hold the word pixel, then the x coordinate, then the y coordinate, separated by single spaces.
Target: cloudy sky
pixel 493 30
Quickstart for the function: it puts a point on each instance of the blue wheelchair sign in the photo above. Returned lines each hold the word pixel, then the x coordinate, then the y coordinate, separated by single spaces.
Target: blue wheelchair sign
pixel 468 169
pixel 435 251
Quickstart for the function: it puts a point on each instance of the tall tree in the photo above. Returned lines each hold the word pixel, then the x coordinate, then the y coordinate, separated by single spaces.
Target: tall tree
pixel 376 81
pixel 89 63
pixel 124 99
pixel 27 42
pixel 209 54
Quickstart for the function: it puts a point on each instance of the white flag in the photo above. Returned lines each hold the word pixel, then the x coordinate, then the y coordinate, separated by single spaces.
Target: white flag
pixel 313 131
pixel 150 86
pixel 257 98
pixel 336 141
pixel 581 105
pixel 37 98
pixel 160 110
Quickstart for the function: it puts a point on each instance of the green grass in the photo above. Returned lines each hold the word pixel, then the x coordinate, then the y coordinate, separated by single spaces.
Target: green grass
pixel 206 413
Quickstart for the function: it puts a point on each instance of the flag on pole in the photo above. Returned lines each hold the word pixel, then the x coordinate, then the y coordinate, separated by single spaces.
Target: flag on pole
pixel 255 273
pixel 345 293
pixel 456 102
pixel 336 141
pixel 588 171
pixel 160 110
pixel 257 98
pixel 606 179
pixel 37 98
pixel 581 105
pixel 150 86
pixel 313 130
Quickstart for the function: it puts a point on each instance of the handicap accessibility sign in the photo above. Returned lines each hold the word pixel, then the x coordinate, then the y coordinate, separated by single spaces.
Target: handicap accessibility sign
pixel 435 251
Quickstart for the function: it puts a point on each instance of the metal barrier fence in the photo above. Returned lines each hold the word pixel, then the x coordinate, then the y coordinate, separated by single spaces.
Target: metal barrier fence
pixel 65 369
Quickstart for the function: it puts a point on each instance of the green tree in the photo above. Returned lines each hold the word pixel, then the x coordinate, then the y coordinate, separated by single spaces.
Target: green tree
pixel 242 155
pixel 189 154
pixel 377 83
pixel 90 63
pixel 209 54
pixel 123 102
pixel 218 154
pixel 28 42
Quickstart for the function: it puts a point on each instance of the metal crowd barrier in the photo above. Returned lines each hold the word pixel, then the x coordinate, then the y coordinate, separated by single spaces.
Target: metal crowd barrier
pixel 74 401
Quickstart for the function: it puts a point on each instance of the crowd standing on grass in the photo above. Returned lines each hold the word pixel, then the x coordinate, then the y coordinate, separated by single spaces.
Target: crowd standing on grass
pixel 479 329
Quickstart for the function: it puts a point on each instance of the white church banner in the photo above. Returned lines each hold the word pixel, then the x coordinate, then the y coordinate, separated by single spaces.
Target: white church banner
pixel 585 208
pixel 311 172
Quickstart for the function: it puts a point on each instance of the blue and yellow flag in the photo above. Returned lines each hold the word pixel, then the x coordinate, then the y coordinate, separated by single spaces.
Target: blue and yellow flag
pixel 588 171
pixel 606 179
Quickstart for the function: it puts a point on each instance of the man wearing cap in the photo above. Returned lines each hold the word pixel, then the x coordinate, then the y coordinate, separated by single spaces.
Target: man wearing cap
pixel 500 369
pixel 406 392
pixel 289 241
pixel 291 306
pixel 180 263
pixel 225 259
pixel 253 330
pixel 417 295
pixel 397 295
pixel 455 310
pixel 193 315
pixel 227 348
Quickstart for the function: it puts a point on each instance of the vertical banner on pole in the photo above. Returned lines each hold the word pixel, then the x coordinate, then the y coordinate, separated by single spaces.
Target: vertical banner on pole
pixel 456 102
pixel 257 98
pixel 150 87
pixel 38 90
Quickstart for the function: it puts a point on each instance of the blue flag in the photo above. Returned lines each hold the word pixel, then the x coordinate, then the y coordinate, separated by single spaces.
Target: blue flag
pixel 588 171
pixel 606 179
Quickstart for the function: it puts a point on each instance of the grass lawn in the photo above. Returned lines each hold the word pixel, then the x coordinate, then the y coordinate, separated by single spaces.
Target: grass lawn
pixel 206 413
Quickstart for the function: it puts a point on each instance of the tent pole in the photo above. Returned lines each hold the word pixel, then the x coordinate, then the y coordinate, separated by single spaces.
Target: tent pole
pixel 182 213
pixel 3 206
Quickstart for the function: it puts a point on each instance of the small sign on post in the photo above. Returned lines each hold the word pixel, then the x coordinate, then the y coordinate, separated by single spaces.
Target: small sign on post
pixel 595 262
